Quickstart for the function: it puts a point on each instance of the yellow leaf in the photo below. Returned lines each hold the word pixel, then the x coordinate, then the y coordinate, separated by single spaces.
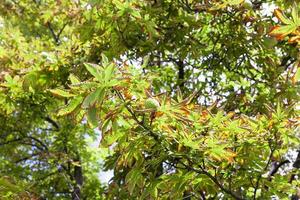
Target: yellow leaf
pixel 296 76
pixel 278 13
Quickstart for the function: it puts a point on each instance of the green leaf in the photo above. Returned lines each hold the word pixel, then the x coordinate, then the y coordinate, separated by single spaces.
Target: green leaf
pixel 61 93
pixel 30 80
pixel 91 99
pixel 295 15
pixel 74 79
pixel 283 30
pixel 110 137
pixel 154 192
pixel 215 149
pixel 278 13
pixel 84 85
pixel 269 42
pixel 120 5
pixel 234 2
pixel 134 178
pixel 8 78
pixel 190 143
pixel 109 71
pixel 104 60
pixel 136 14
pixel 296 77
pixel 6 185
pixel 92 117
pixel 94 69
pixel 73 104
pixel 145 61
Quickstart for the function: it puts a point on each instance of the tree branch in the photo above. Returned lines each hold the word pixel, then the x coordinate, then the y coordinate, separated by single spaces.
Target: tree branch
pixel 52 122
pixel 28 157
pixel 214 179
pixel 277 167
pixel 55 36
pixel 155 136
pixel 56 39
pixel 260 176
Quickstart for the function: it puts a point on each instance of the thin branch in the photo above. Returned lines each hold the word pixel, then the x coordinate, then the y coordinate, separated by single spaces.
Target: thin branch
pixel 188 196
pixel 52 122
pixel 277 167
pixel 260 176
pixel 28 157
pixel 61 30
pixel 215 180
pixel 11 141
pixel 155 136
pixel 40 142
pixel 56 39
pixel 55 36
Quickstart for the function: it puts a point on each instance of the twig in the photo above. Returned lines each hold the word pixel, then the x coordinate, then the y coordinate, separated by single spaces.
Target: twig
pixel 260 176
pixel 28 157
pixel 52 122
pixel 215 180
pixel 155 136
pixel 55 36
pixel 52 32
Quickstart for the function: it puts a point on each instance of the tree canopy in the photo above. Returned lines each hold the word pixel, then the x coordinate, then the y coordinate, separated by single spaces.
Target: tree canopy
pixel 192 99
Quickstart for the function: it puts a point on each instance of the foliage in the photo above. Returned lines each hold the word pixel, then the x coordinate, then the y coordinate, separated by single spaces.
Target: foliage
pixel 193 99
